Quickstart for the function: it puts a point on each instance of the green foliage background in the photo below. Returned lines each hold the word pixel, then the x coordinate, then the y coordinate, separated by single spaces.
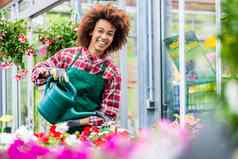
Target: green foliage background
pixel 229 41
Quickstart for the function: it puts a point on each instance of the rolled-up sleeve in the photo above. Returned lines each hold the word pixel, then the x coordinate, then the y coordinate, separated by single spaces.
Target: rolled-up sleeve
pixel 60 60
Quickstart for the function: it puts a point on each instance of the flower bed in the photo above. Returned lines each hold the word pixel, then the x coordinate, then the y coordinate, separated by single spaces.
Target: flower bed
pixel 107 142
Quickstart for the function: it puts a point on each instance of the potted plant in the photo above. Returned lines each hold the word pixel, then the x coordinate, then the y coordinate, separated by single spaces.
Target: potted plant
pixel 14 44
pixel 56 37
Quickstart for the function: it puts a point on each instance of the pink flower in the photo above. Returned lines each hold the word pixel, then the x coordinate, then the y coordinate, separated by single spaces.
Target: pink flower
pixel 5 65
pixel 43 50
pixel 21 74
pixel 21 150
pixel 118 146
pixel 211 56
pixel 22 38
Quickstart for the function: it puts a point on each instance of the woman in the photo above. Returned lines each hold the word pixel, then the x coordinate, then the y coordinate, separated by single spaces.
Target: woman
pixel 103 30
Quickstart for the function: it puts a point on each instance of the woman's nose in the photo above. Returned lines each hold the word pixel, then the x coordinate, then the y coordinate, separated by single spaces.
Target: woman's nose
pixel 104 36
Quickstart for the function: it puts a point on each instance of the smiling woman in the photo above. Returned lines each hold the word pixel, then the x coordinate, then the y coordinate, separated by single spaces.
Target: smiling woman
pixel 89 70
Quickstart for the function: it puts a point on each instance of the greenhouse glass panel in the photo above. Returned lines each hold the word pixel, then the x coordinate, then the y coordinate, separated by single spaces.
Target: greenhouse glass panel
pixel 200 49
pixel 9 79
pixel 23 101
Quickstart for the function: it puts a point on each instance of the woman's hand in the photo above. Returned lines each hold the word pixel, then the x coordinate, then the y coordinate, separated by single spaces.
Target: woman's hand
pixel 43 72
pixel 103 116
pixel 59 74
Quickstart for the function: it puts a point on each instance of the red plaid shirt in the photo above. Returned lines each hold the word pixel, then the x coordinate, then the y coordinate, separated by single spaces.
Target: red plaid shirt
pixel 111 94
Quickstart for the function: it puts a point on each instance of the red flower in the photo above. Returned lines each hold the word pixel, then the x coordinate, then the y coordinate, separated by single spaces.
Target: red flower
pixel 99 141
pixel 54 133
pixel 30 51
pixel 39 135
pixel 22 38
pixel 86 131
pixel 52 128
pixel 95 129
pixel 42 137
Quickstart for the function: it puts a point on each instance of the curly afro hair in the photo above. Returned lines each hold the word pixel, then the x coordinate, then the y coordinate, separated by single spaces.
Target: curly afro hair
pixel 117 17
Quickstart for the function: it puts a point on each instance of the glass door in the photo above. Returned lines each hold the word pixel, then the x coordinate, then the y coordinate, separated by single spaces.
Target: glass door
pixel 200 74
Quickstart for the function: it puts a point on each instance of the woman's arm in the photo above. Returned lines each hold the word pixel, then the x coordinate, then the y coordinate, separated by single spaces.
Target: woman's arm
pixel 40 72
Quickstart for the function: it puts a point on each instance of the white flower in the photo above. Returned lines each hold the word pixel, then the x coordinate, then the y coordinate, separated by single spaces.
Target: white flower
pixel 231 93
pixel 24 134
pixel 72 140
pixel 6 138
pixel 63 127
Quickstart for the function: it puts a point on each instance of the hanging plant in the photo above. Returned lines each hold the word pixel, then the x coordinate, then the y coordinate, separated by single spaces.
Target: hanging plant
pixel 56 37
pixel 13 44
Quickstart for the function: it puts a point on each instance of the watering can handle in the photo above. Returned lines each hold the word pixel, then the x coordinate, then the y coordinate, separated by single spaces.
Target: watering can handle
pixel 71 86
pixel 47 86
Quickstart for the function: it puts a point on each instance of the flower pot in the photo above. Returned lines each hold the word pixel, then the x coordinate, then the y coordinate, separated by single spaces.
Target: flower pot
pixel 7 129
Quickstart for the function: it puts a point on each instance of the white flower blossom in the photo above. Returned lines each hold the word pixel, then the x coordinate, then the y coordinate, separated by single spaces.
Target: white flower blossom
pixel 62 127
pixel 24 134
pixel 72 140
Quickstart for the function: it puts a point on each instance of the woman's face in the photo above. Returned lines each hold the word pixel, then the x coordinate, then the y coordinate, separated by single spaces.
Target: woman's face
pixel 101 37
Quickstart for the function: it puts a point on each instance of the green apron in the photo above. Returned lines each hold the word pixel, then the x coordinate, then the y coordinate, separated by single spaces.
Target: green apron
pixel 89 88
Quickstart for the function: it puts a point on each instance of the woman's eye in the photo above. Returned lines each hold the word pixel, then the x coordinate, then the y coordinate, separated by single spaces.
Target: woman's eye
pixel 110 34
pixel 100 31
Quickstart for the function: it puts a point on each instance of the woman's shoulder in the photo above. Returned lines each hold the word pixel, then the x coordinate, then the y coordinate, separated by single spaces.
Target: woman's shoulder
pixel 72 50
pixel 68 52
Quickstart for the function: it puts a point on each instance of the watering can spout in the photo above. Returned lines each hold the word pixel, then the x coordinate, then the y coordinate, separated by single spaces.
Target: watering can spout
pixel 72 114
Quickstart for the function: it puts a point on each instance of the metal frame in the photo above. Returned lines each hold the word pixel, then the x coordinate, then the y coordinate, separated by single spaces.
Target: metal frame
pixel 218 48
pixel 30 88
pixel 15 84
pixel 39 7
pixel 149 61
pixel 124 84
pixel 182 83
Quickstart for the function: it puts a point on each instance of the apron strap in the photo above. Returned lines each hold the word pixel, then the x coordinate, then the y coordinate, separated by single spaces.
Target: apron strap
pixel 75 58
pixel 102 66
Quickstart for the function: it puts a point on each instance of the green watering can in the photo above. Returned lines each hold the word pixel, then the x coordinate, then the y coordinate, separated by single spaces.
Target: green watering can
pixel 57 104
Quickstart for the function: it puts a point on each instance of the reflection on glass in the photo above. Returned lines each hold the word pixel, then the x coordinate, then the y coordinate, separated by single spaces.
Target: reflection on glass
pixel 23 100
pixel 9 100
